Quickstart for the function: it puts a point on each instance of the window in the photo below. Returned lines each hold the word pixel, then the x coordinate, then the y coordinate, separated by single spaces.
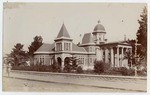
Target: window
pixel 58 46
pixel 67 46
pixel 83 60
pixel 90 60
pixel 43 61
pixel 40 61
pixel 90 49
pixel 100 38
pixel 35 60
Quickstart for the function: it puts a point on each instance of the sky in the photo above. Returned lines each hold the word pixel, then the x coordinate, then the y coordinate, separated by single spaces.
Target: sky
pixel 23 21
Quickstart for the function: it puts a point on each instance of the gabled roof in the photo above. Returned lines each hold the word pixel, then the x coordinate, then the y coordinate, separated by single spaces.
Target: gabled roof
pixel 63 32
pixel 87 38
pixel 77 48
pixel 46 48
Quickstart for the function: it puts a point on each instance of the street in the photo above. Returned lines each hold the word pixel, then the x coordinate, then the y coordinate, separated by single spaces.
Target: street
pixel 22 85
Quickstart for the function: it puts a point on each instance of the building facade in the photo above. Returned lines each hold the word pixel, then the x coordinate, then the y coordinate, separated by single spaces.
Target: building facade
pixel 94 47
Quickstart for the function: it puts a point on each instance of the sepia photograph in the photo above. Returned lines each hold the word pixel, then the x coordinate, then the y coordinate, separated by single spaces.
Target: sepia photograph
pixel 74 47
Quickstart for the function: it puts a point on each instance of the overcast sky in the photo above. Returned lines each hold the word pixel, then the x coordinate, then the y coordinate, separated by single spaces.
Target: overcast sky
pixel 23 21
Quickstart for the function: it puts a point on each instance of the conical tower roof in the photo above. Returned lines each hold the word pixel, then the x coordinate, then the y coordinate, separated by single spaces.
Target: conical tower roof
pixel 63 32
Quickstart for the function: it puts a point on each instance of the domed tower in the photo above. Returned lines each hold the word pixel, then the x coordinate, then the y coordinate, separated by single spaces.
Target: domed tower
pixel 99 34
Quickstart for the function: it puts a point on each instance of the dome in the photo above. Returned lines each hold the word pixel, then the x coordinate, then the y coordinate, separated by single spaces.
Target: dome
pixel 99 27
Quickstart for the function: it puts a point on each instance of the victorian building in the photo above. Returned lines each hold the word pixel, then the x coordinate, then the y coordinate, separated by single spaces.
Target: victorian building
pixel 93 47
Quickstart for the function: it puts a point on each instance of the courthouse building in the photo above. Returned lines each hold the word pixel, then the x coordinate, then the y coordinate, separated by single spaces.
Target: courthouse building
pixel 93 47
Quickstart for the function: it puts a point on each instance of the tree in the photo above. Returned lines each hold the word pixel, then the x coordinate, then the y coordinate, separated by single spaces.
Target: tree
pixel 71 65
pixel 101 67
pixel 35 45
pixel 142 35
pixel 17 55
pixel 131 55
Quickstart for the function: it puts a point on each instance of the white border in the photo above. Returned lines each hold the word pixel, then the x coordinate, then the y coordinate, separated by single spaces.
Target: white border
pixel 47 93
pixel 132 1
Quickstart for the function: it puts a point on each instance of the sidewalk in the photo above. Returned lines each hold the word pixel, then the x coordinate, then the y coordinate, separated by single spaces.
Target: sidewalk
pixel 123 83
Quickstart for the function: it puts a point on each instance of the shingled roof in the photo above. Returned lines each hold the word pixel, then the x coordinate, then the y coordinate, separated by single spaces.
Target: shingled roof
pixel 46 48
pixel 63 32
pixel 87 38
pixel 77 48
pixel 50 48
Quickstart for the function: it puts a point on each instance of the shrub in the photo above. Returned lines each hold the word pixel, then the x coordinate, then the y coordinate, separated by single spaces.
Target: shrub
pixel 42 68
pixel 55 68
pixel 79 69
pixel 141 73
pixel 112 71
pixel 131 72
pixel 100 66
pixel 15 68
pixel 124 71
pixel 127 72
pixel 67 68
pixel 88 71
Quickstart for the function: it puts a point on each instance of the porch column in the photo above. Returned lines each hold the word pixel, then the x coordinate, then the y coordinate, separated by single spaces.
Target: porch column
pixel 112 57
pixel 117 64
pixel 106 55
pixel 62 65
pixel 122 52
pixel 100 54
pixel 122 56
pixel 132 57
pixel 44 59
